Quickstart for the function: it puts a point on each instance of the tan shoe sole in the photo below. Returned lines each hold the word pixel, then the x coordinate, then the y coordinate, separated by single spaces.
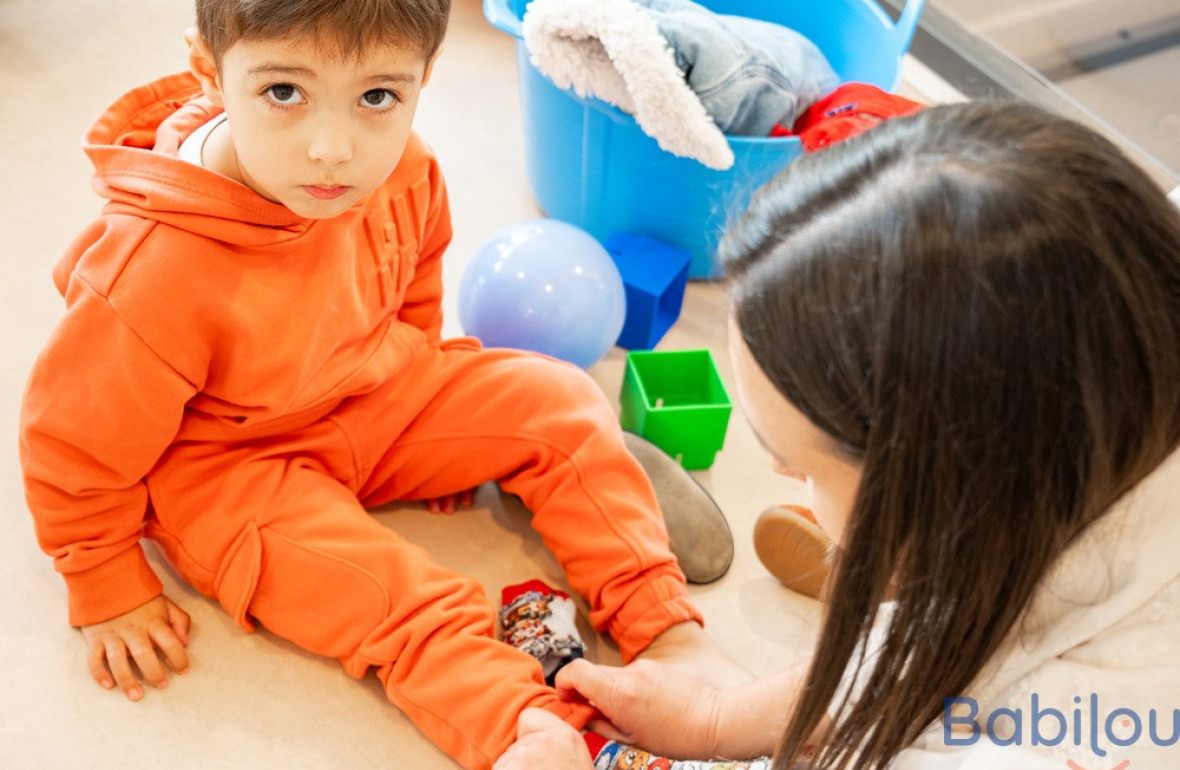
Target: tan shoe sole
pixel 793 548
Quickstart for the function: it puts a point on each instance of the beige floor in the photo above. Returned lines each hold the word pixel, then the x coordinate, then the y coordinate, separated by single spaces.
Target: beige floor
pixel 252 700
pixel 1138 99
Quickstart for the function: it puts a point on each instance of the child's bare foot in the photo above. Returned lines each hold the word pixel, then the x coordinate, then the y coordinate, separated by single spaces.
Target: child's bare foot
pixel 686 646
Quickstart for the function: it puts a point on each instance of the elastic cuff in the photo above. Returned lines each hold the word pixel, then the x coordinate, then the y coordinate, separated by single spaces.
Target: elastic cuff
pixel 117 585
pixel 658 618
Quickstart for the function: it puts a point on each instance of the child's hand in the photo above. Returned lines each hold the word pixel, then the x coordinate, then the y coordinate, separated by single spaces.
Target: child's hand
pixel 448 504
pixel 543 740
pixel 156 624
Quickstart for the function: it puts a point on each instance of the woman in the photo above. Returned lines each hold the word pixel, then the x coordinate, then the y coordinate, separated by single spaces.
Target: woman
pixel 964 328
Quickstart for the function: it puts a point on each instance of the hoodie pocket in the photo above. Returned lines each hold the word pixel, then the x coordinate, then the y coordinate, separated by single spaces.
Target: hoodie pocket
pixel 237 577
pixel 319 599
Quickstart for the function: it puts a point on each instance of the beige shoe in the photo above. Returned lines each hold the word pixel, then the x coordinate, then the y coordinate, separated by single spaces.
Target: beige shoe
pixel 697 530
pixel 793 548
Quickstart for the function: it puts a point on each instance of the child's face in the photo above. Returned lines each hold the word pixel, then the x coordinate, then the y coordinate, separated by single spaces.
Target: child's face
pixel 312 132
pixel 798 448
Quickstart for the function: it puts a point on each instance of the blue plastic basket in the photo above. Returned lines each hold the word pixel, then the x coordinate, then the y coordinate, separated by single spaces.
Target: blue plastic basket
pixel 590 164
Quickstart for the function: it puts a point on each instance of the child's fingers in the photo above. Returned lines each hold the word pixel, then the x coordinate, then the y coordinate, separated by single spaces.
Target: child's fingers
pixel 167 640
pixel 96 658
pixel 121 668
pixel 180 622
pixel 144 653
pixel 448 504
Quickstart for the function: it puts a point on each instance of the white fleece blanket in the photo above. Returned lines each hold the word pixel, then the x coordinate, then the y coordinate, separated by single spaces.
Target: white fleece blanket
pixel 613 50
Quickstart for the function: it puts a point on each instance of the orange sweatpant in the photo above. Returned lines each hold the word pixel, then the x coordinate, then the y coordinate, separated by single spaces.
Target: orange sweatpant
pixel 275 528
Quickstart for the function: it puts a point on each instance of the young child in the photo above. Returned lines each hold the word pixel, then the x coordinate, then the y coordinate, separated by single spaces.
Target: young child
pixel 251 357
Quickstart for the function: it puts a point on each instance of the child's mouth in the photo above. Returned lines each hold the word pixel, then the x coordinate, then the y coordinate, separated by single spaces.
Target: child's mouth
pixel 326 192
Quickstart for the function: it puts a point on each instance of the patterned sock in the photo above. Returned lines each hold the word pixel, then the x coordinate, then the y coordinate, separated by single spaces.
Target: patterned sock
pixel 539 620
pixel 610 755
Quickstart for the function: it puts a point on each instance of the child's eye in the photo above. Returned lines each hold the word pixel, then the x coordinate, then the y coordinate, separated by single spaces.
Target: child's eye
pixel 284 94
pixel 379 98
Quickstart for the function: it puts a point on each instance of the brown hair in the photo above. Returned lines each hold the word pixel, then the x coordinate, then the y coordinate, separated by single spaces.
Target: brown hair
pixel 981 303
pixel 347 27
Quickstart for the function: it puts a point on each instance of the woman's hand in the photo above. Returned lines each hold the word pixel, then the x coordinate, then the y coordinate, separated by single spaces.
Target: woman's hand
pixel 150 633
pixel 544 740
pixel 649 704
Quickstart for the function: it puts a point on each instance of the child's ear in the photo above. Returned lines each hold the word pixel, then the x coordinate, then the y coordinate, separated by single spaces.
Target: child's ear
pixel 430 69
pixel 203 65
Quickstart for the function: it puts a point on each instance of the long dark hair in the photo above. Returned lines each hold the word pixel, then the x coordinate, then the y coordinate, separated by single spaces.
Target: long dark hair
pixel 981 303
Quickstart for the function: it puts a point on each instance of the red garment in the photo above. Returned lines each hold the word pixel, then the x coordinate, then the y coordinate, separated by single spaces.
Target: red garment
pixel 851 109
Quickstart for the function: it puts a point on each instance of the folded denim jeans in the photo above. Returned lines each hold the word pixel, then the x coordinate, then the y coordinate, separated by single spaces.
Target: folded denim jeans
pixel 750 74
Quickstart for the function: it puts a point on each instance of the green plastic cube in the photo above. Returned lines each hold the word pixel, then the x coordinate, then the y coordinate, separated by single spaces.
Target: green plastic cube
pixel 676 400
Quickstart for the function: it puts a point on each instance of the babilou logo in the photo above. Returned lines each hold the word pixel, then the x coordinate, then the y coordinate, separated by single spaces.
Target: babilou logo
pixel 1088 728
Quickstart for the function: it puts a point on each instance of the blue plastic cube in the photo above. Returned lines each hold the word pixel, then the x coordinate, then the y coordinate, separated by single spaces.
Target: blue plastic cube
pixel 655 276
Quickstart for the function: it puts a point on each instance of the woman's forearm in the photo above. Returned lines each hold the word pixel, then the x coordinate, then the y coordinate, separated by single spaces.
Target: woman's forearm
pixel 753 717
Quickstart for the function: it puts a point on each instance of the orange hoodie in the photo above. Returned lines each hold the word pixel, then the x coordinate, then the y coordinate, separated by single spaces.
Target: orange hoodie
pixel 199 310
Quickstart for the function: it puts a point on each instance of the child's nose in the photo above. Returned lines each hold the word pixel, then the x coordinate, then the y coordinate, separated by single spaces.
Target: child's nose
pixel 330 145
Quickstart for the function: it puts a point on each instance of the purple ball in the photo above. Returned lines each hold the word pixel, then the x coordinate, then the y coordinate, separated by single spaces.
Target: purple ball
pixel 546 286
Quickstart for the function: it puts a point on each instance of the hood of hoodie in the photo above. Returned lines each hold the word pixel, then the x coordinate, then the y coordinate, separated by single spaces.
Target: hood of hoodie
pixel 134 144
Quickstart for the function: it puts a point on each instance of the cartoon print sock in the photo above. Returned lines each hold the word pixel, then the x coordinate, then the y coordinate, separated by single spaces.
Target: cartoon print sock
pixel 540 620
pixel 611 755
